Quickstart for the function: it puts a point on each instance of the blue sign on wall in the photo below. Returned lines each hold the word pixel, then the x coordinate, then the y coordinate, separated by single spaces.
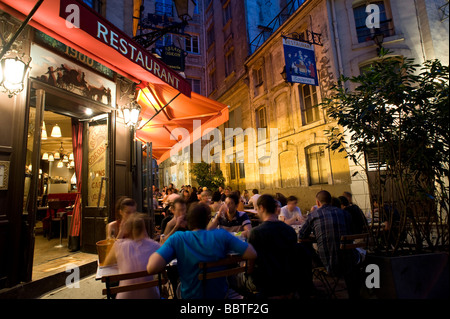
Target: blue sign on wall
pixel 300 62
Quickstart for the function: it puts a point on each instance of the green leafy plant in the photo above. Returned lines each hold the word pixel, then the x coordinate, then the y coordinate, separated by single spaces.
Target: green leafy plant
pixel 394 124
pixel 205 176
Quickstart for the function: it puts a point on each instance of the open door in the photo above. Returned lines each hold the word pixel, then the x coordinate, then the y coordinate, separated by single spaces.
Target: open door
pixel 96 181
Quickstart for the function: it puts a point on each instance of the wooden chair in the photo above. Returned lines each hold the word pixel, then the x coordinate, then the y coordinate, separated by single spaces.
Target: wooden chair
pixel 347 243
pixel 110 291
pixel 233 267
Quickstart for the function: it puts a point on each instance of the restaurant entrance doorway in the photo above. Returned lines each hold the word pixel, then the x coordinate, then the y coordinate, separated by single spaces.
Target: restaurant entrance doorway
pixel 66 171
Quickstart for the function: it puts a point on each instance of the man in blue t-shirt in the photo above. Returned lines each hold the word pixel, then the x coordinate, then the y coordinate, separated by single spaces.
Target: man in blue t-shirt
pixel 199 245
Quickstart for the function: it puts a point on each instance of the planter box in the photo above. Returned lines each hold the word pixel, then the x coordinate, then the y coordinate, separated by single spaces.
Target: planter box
pixel 424 276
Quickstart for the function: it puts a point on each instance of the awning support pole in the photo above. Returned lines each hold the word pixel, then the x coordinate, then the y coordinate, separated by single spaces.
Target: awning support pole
pixel 151 212
pixel 19 31
pixel 159 111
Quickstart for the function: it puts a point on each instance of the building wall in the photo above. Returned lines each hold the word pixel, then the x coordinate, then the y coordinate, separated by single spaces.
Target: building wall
pixel 283 109
pixel 194 62
pixel 120 13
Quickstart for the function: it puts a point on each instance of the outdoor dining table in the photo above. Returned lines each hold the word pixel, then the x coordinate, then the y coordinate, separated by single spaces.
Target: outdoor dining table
pixel 114 269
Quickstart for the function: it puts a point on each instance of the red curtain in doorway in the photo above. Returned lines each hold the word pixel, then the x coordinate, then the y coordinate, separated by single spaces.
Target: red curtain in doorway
pixel 77 144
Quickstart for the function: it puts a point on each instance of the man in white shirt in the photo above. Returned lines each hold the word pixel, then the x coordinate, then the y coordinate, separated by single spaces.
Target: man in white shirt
pixel 254 199
pixel 291 214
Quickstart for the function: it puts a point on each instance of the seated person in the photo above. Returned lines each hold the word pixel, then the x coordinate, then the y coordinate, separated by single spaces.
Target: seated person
pixel 131 255
pixel 178 221
pixel 195 246
pixel 216 203
pixel 206 197
pixel 328 224
pixel 359 222
pixel 168 215
pixel 291 214
pixel 172 195
pixel 124 208
pixel 230 218
pixel 278 268
pixel 252 201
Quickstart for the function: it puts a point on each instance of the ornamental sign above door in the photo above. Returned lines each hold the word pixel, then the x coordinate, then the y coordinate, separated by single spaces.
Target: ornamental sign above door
pixel 57 71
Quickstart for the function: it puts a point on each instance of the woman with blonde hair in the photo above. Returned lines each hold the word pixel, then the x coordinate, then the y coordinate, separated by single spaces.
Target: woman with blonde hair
pixel 131 254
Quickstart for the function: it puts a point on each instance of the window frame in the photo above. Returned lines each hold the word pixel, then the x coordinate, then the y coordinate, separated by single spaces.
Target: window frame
pixel 227 13
pixel 320 160
pixel 191 42
pixel 315 109
pixel 193 84
pixel 165 5
pixel 229 56
pixel 212 80
pixel 96 5
pixel 388 29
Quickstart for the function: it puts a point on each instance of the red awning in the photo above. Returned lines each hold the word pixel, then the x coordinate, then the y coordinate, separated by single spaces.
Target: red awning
pixel 100 40
pixel 181 112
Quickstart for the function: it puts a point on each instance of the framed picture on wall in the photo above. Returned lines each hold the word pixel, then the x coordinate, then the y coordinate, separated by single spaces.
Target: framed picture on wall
pixel 4 175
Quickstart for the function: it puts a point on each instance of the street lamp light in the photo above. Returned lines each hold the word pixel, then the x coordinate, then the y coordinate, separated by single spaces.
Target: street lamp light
pixel 131 113
pixel 12 74
pixel 185 9
pixel 13 69
pixel 378 39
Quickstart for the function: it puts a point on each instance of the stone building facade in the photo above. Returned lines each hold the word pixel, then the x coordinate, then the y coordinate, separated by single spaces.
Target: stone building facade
pixel 248 78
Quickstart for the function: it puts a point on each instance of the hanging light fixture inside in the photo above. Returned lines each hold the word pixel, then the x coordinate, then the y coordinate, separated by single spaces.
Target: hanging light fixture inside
pixel 60 164
pixel 51 158
pixel 56 131
pixel 73 180
pixel 65 159
pixel 72 164
pixel 45 156
pixel 71 157
pixel 44 132
pixel 57 156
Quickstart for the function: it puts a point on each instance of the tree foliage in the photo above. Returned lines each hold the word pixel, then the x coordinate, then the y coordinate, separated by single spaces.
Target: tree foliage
pixel 205 176
pixel 398 114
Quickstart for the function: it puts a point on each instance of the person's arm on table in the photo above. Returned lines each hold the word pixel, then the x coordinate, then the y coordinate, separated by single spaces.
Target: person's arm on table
pixel 246 231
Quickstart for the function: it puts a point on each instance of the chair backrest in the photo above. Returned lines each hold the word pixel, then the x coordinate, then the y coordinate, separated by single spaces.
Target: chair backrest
pixel 348 241
pixel 109 291
pixel 232 264
pixel 234 268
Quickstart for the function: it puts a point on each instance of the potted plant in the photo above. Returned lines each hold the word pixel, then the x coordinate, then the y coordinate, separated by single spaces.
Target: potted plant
pixel 393 123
